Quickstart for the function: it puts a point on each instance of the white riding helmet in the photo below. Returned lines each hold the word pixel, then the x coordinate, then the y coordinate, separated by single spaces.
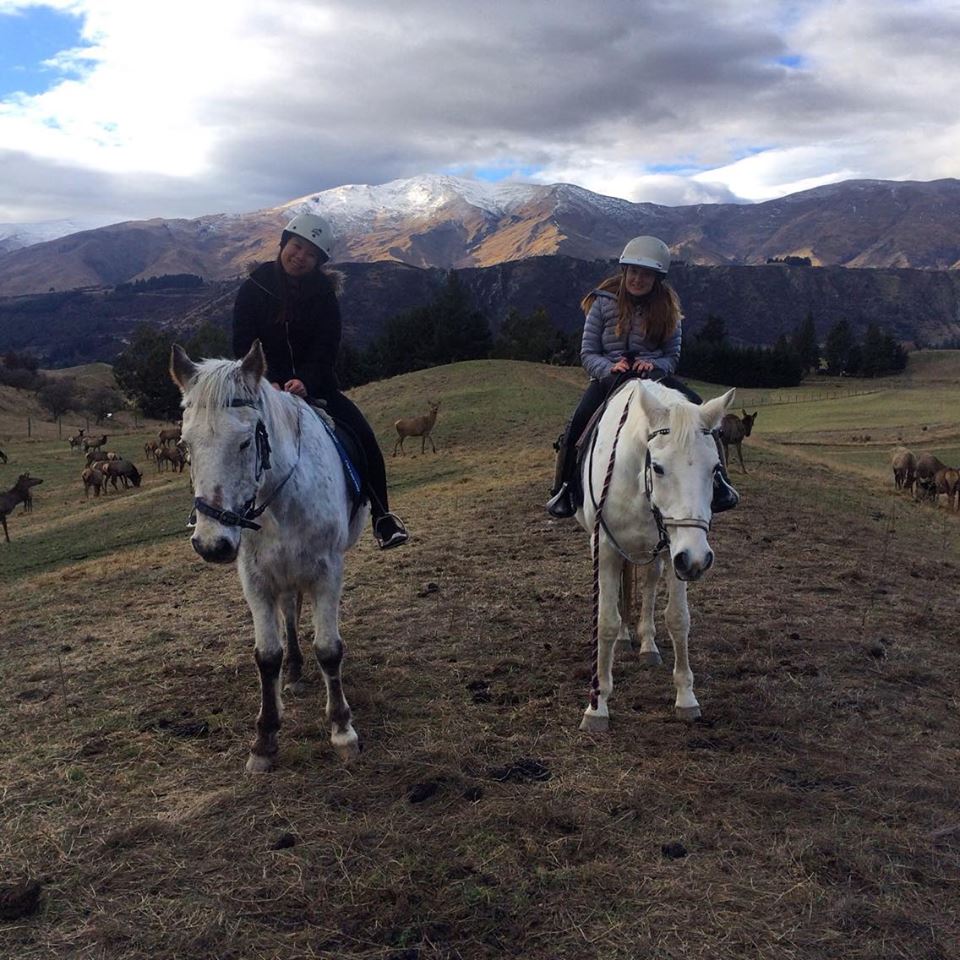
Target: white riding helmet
pixel 647 252
pixel 313 228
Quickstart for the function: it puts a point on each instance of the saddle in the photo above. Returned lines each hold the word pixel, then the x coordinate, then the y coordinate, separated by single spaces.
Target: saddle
pixel 350 451
pixel 583 443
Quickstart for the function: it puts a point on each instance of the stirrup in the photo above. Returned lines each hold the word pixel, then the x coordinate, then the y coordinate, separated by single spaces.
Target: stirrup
pixel 561 505
pixel 398 536
pixel 725 496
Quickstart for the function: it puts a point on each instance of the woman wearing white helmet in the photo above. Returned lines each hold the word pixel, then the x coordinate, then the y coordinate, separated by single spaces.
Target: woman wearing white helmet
pixel 632 327
pixel 290 305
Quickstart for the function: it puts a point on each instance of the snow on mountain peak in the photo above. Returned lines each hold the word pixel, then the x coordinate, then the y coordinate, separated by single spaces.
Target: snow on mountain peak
pixel 359 206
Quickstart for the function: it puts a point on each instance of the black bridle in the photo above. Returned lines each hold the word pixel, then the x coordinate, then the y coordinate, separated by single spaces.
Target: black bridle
pixel 661 521
pixel 249 512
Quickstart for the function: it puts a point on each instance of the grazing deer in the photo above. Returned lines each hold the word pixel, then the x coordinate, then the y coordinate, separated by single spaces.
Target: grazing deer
pixel 150 448
pixel 93 478
pixel 122 470
pixel 927 467
pixel 18 493
pixel 76 439
pixel 904 469
pixel 417 427
pixel 732 431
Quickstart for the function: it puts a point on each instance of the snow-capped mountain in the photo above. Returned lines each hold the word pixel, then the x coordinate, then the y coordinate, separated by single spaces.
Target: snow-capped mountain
pixel 442 221
pixel 13 236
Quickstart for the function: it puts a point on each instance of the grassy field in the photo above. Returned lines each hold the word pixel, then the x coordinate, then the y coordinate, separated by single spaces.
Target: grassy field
pixel 810 814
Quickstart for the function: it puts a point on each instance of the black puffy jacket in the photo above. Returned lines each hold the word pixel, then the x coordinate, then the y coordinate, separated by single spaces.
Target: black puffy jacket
pixel 304 343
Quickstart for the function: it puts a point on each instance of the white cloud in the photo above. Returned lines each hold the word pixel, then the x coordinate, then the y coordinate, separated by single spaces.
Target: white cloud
pixel 198 106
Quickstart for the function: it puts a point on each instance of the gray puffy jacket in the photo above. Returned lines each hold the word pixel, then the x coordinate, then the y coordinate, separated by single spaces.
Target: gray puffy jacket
pixel 601 348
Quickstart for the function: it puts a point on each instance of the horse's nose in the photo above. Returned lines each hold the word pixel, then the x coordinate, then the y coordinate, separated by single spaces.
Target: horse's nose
pixel 685 567
pixel 220 550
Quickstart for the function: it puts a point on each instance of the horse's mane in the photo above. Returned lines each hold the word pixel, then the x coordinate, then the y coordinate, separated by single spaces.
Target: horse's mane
pixel 685 422
pixel 217 383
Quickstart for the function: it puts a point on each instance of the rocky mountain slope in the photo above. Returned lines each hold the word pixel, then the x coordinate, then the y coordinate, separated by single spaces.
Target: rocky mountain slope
pixel 445 222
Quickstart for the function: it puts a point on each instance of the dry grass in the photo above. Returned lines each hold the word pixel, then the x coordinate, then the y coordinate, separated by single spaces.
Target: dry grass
pixel 815 802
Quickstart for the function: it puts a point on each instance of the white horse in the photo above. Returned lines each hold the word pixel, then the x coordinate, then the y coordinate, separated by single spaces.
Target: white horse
pixel 251 444
pixel 659 486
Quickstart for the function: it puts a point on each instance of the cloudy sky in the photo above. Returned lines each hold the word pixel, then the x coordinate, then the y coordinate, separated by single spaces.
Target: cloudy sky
pixel 124 109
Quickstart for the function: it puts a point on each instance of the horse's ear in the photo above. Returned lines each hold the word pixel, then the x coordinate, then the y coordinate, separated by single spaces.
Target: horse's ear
pixel 653 410
pixel 713 410
pixel 182 368
pixel 254 364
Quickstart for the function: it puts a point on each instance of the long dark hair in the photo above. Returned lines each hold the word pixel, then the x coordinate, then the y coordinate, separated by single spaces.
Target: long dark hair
pixel 660 308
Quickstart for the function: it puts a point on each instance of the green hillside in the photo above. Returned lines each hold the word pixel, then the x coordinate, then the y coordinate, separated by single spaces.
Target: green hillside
pixel 497 422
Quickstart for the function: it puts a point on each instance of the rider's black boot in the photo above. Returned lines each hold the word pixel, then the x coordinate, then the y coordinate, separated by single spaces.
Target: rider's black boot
pixel 725 496
pixel 561 504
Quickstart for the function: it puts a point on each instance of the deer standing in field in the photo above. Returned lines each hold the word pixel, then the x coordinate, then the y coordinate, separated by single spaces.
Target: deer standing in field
pixel 18 493
pixel 417 427
pixel 171 435
pixel 732 431
pixel 904 469
pixel 947 481
pixel 89 443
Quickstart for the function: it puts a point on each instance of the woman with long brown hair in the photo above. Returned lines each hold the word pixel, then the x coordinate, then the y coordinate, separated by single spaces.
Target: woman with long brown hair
pixel 632 327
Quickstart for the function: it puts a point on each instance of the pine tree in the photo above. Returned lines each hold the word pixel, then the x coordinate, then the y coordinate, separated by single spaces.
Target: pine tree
pixel 838 346
pixel 806 345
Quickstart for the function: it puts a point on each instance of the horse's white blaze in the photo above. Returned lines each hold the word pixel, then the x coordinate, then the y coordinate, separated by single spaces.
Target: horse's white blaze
pixel 304 530
pixel 680 481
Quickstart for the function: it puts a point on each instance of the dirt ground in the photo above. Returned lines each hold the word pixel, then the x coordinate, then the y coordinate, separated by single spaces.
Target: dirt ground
pixel 811 813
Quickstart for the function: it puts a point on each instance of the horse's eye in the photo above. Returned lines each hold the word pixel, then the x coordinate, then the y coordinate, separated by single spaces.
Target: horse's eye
pixel 658 470
pixel 245 444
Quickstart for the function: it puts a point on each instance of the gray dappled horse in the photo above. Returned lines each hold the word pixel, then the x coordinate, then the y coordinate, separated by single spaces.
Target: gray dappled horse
pixel 270 493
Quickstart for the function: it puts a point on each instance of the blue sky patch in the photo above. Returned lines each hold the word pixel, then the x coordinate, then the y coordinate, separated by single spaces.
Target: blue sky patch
pixel 29 37
pixel 494 174
pixel 792 60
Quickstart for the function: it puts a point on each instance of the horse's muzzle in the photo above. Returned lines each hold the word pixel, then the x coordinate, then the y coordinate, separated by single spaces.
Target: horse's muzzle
pixel 220 550
pixel 687 569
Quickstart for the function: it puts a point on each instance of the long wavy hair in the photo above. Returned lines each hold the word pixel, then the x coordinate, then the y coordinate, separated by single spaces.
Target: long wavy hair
pixel 660 310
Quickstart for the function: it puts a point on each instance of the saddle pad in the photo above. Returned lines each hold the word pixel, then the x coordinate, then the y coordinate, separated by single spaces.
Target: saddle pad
pixel 351 456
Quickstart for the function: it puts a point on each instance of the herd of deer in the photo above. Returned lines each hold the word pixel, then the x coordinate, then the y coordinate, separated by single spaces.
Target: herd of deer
pixel 105 468
pixel 926 477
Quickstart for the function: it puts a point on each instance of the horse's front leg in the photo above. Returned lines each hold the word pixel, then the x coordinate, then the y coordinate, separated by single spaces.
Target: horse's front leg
pixel 269 657
pixel 596 717
pixel 329 649
pixel 290 607
pixel 678 625
pixel 646 630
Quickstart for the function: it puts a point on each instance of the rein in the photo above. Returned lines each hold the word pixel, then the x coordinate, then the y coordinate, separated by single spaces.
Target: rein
pixel 249 512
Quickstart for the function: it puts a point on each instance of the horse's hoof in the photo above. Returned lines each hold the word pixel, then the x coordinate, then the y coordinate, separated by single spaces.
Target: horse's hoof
pixel 296 688
pixel 650 658
pixel 594 723
pixel 347 746
pixel 257 763
pixel 689 714
pixel 348 752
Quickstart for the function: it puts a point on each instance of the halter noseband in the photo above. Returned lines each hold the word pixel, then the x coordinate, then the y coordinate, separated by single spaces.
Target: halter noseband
pixel 250 511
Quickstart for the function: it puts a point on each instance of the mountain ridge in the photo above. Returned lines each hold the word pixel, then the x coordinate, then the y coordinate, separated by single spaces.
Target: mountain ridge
pixel 448 222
